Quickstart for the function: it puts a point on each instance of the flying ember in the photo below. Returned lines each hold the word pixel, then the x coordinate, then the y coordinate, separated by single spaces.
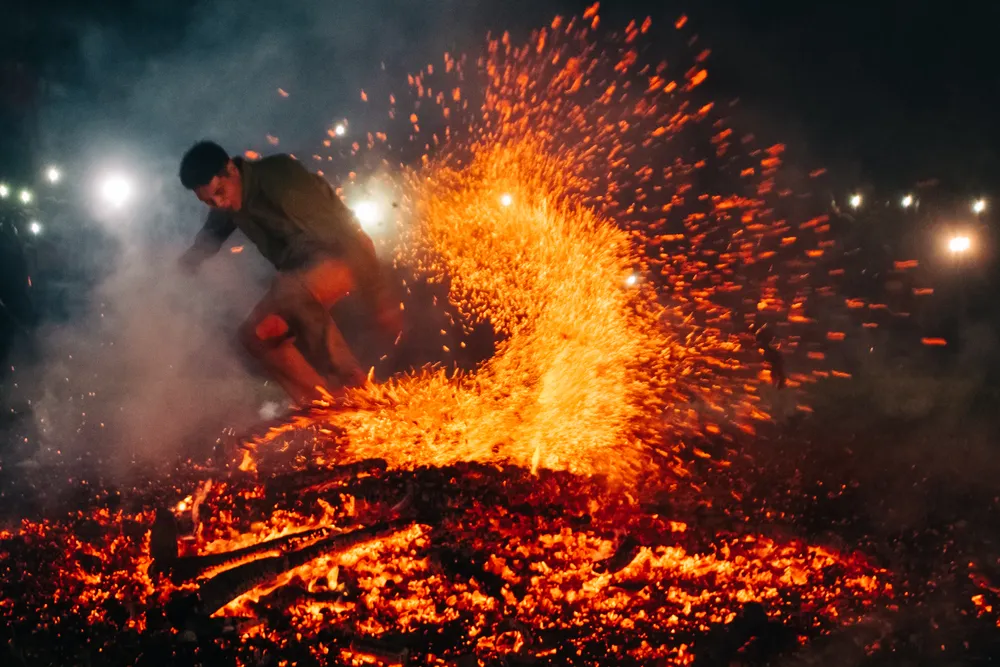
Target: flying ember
pixel 516 512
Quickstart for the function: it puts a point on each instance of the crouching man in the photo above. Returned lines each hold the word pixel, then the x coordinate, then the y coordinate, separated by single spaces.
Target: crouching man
pixel 305 230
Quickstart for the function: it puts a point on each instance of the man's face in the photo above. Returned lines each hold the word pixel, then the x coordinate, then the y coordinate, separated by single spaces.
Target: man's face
pixel 224 191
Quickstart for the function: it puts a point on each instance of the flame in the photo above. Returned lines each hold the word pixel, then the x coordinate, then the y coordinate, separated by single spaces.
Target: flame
pixel 594 375
pixel 523 218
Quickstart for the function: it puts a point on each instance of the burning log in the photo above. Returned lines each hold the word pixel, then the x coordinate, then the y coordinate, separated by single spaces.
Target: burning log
pixel 163 540
pixel 226 586
pixel 321 479
pixel 626 552
pixel 380 651
pixel 190 567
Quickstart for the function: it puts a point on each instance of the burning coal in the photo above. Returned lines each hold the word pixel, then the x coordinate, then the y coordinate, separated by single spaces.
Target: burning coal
pixel 476 561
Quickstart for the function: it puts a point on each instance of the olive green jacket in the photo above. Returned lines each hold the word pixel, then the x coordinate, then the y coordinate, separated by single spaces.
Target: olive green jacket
pixel 294 216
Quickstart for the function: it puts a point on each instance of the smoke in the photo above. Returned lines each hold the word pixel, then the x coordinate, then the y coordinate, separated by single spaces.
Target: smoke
pixel 148 370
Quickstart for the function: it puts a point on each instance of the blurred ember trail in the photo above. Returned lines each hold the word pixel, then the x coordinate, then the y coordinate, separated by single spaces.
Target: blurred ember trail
pixel 503 515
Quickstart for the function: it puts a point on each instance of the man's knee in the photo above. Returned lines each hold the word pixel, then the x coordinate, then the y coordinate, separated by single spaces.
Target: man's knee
pixel 327 280
pixel 260 335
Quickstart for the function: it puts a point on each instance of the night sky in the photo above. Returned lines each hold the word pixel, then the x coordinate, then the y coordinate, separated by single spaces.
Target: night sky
pixel 884 93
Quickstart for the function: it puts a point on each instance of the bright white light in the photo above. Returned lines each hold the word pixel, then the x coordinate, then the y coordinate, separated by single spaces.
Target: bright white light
pixel 4 191
pixel 25 196
pixel 506 199
pixel 116 190
pixel 979 206
pixel 35 227
pixel 368 213
pixel 907 201
pixel 53 174
pixel 959 244
pixel 632 280
pixel 340 129
pixel 855 200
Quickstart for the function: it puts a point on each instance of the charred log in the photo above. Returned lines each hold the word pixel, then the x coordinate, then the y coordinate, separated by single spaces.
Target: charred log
pixel 324 479
pixel 626 552
pixel 163 540
pixel 380 651
pixel 190 567
pixel 218 591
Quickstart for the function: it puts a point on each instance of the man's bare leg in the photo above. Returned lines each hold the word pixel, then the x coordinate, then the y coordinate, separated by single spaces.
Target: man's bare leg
pixel 327 281
pixel 266 335
pixel 295 375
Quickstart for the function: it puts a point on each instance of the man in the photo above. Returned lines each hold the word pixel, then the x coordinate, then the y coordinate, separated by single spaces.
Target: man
pixel 300 225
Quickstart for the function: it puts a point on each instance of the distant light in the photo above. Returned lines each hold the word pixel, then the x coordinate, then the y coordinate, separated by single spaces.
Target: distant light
pixel 907 201
pixel 979 206
pixel 632 280
pixel 959 244
pixel 368 213
pixel 116 190
pixel 856 200
pixel 53 174
pixel 506 199
pixel 4 191
pixel 340 129
pixel 25 196
pixel 35 227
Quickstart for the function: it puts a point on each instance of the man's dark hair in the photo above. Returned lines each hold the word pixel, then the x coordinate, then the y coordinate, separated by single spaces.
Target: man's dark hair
pixel 203 162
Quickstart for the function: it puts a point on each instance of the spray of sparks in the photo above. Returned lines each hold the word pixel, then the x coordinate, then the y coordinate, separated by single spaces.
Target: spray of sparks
pixel 565 209
pixel 564 212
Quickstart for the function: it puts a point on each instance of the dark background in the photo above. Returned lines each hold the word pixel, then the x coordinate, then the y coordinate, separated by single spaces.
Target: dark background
pixel 893 92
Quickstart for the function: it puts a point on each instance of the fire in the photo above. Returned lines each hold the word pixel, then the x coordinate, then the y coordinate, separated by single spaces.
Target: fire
pixel 533 216
pixel 562 567
pixel 499 517
pixel 578 348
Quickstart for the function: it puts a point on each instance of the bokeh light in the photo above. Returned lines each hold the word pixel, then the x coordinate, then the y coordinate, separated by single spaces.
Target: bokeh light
pixel 369 213
pixel 959 244
pixel 116 190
